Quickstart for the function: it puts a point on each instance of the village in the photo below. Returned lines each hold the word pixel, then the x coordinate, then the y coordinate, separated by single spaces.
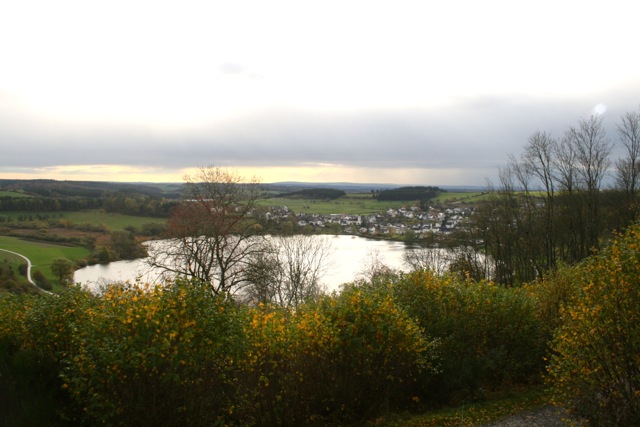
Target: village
pixel 401 223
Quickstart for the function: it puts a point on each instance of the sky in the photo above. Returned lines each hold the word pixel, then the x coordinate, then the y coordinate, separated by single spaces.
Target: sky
pixel 407 92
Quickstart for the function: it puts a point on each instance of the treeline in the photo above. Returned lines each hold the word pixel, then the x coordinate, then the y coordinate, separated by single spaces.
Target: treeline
pixel 58 196
pixel 315 194
pixel 135 204
pixel 408 193
pixel 125 203
pixel 48 204
pixel 90 189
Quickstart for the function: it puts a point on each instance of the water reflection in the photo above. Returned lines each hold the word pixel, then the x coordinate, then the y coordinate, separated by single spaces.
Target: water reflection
pixel 348 258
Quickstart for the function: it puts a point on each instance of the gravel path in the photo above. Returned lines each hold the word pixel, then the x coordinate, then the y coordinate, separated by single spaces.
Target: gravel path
pixel 548 416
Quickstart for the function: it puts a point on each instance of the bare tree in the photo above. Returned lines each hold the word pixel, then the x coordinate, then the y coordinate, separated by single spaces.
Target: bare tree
pixel 628 168
pixel 214 231
pixel 289 270
pixel 374 269
pixel 565 165
pixel 539 157
pixel 592 148
pixel 434 259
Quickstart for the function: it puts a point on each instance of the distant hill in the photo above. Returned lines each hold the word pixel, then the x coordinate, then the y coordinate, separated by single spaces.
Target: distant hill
pixel 348 187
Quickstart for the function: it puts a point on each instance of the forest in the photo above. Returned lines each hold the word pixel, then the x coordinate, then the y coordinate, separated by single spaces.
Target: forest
pixel 419 193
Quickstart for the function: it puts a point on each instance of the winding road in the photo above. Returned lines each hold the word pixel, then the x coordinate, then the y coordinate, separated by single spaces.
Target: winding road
pixel 28 270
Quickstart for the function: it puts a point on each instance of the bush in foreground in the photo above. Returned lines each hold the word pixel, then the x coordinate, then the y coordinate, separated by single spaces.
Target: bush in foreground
pixel 343 359
pixel 158 356
pixel 177 355
pixel 595 370
pixel 490 336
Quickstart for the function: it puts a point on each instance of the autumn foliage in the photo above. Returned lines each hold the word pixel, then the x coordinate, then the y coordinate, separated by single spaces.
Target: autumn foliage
pixel 595 368
pixel 178 355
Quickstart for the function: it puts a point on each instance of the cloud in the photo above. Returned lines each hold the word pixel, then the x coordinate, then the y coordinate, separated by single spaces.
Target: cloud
pixel 468 137
pixel 231 68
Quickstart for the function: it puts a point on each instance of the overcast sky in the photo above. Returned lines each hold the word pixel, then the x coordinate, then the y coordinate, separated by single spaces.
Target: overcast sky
pixel 424 92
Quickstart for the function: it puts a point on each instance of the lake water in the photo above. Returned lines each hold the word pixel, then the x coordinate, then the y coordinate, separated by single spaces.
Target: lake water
pixel 349 257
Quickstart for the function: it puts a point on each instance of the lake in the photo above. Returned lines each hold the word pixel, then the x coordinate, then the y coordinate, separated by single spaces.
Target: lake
pixel 349 256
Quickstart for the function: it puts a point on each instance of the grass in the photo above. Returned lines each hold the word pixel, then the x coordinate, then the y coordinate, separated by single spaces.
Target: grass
pixel 472 414
pixel 113 221
pixel 14 261
pixel 466 197
pixel 5 193
pixel 351 204
pixel 41 254
pixel 363 203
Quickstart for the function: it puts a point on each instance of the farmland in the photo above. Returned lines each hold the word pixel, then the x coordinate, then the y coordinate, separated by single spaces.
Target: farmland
pixel 364 203
pixel 110 220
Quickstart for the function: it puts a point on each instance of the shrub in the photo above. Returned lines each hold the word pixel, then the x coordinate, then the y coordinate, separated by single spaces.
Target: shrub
pixel 489 336
pixel 35 333
pixel 157 356
pixel 550 295
pixel 344 358
pixel 22 269
pixel 380 353
pixel 596 366
pixel 42 281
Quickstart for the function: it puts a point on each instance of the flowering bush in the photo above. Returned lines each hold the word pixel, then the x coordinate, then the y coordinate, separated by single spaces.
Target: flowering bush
pixel 178 355
pixel 489 335
pixel 35 335
pixel 343 358
pixel 596 366
pixel 380 352
pixel 157 356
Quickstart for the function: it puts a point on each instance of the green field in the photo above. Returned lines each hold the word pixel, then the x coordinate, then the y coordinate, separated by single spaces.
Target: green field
pixel 113 221
pixel 4 193
pixel 363 203
pixel 40 254
pixel 347 205
pixel 466 197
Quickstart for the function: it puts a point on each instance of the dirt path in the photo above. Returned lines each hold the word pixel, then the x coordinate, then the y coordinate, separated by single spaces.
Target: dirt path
pixel 28 269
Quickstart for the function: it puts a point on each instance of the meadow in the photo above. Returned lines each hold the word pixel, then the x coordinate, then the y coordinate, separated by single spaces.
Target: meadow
pixel 364 203
pixel 41 254
pixel 31 244
pixel 5 193
pixel 347 205
pixel 111 220
pixel 461 197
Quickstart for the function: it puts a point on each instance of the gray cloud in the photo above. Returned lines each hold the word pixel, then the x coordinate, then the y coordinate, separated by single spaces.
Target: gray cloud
pixel 471 134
